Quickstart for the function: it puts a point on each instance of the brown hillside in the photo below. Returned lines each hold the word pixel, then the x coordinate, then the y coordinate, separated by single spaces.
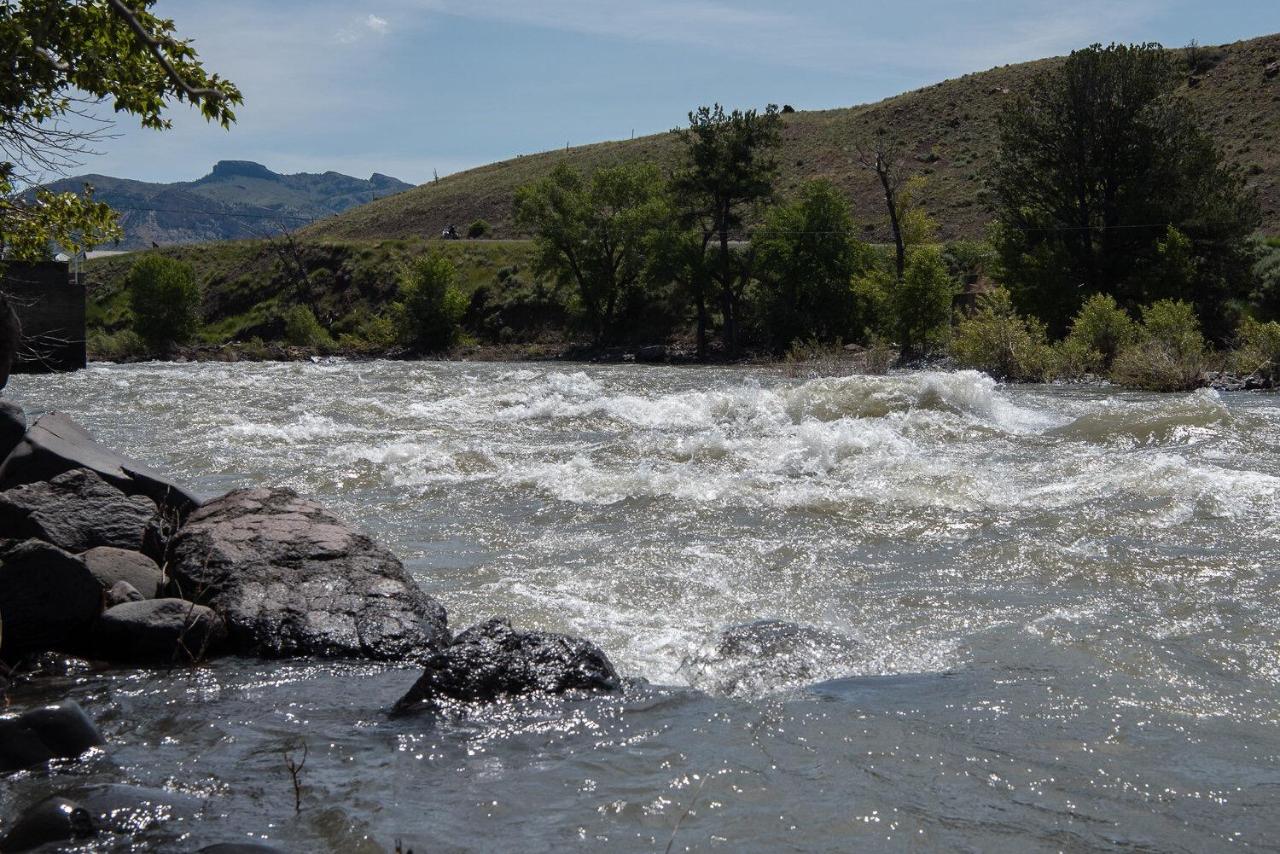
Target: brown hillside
pixel 950 127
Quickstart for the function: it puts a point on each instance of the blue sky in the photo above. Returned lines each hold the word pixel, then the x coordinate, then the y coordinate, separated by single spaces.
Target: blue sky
pixel 406 87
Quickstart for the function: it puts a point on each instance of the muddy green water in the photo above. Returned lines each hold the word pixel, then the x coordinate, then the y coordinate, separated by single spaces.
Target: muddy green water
pixel 1060 606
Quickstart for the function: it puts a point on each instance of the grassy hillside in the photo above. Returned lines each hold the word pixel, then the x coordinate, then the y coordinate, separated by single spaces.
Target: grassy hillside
pixel 950 128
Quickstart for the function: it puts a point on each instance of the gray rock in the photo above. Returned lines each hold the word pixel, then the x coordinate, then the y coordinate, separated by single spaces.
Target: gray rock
pixel 55 819
pixel 769 655
pixel 130 810
pixel 13 426
pixel 76 510
pixel 60 731
pixel 121 592
pixel 291 579
pixel 493 660
pixel 158 630
pixel 111 565
pixel 48 598
pixel 240 848
pixel 56 443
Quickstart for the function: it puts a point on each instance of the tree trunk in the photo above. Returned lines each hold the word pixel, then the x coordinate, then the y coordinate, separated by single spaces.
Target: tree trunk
pixel 900 257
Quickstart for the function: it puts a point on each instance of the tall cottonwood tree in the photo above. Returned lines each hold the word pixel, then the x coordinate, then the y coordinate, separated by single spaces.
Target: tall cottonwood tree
pixel 1106 183
pixel 729 170
pixel 595 233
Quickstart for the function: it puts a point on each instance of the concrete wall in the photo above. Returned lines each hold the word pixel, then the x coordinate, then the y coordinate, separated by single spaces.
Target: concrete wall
pixel 50 309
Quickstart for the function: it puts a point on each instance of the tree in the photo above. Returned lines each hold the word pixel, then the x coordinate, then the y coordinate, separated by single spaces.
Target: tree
pixel 922 303
pixel 431 306
pixel 594 233
pixel 1097 166
pixel 1001 342
pixel 729 169
pixel 807 258
pixel 165 300
pixel 883 156
pixel 60 57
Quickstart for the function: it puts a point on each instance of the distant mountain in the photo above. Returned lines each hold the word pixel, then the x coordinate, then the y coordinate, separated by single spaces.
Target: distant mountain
pixel 238 199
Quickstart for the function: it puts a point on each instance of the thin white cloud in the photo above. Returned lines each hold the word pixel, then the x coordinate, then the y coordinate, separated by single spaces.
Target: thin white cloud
pixel 377 24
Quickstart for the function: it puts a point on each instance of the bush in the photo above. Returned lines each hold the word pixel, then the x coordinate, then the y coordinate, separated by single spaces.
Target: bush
pixel 1258 349
pixel 873 306
pixel 477 229
pixel 165 300
pixel 1098 332
pixel 922 303
pixel 120 346
pixel 301 329
pixel 1169 354
pixel 431 306
pixel 999 341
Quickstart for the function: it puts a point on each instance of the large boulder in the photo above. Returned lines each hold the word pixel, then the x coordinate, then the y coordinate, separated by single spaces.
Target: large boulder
pixel 55 444
pixel 493 660
pixel 76 510
pixel 13 426
pixel 111 566
pixel 158 630
pixel 60 731
pixel 48 598
pixel 291 579
pixel 92 810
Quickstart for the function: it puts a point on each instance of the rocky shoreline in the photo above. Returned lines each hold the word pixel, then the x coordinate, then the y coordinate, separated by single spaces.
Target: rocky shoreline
pixel 103 559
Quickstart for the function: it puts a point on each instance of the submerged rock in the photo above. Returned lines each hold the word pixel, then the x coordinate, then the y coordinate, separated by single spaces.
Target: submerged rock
pixel 48 598
pixel 76 511
pixel 291 579
pixel 768 655
pixel 55 819
pixel 158 630
pixel 112 565
pixel 492 660
pixel 60 731
pixel 56 444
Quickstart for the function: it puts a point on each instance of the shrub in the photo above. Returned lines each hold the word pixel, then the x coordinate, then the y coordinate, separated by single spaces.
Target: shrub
pixel 1098 332
pixel 1170 353
pixel 922 303
pixel 301 329
pixel 117 347
pixel 431 306
pixel 999 341
pixel 165 300
pixel 873 305
pixel 1258 349
pixel 477 229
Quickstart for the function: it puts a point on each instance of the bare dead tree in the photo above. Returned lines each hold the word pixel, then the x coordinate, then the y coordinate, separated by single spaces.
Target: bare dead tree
pixel 295 774
pixel 883 155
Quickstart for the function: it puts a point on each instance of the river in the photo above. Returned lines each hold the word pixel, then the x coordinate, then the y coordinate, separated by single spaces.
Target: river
pixel 1049 615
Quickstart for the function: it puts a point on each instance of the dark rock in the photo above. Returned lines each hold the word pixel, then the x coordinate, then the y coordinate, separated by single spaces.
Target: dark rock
pixel 76 510
pixel 60 731
pixel 121 592
pixel 1257 382
pixel 111 565
pixel 158 630
pixel 48 598
pixel 240 848
pixel 768 655
pixel 56 444
pixel 13 426
pixel 492 660
pixel 291 579
pixel 55 819
pixel 132 809
pixel 652 354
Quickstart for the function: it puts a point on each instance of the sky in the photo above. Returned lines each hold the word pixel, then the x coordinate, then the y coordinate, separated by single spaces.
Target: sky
pixel 413 88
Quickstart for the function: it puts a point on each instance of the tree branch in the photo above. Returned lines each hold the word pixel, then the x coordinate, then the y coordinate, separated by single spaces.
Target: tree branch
pixel 156 47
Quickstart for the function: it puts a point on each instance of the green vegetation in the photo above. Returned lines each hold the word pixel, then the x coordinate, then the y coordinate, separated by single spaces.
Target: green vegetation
pixel 165 301
pixel 1099 331
pixel 1170 352
pixel 1005 344
pixel 431 306
pixel 1105 181
pixel 478 229
pixel 301 329
pixel 922 304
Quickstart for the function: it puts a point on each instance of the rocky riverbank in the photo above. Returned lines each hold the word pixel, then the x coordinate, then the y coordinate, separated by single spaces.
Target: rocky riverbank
pixel 105 560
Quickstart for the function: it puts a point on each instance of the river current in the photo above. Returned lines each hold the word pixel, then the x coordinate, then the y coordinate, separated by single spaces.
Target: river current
pixel 1048 615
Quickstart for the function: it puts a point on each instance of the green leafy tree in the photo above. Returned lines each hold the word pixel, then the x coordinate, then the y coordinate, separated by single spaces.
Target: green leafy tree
pixel 431 305
pixel 165 300
pixel 594 233
pixel 806 261
pixel 1098 332
pixel 59 56
pixel 729 170
pixel 1098 166
pixel 922 303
